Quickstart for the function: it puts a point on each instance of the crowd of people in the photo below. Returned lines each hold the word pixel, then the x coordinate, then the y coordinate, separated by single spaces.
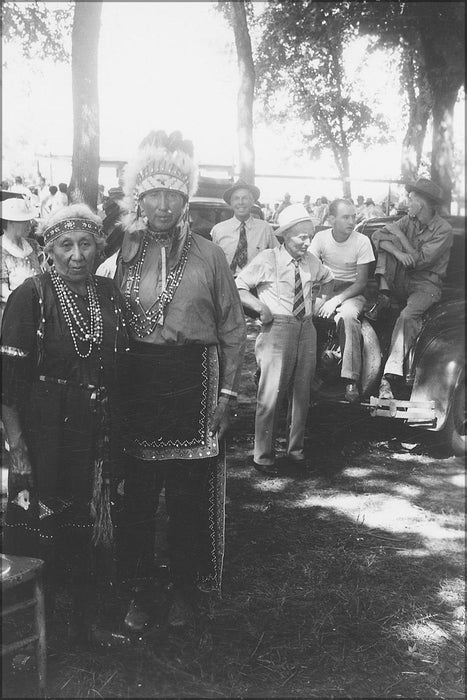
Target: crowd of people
pixel 122 382
pixel 319 211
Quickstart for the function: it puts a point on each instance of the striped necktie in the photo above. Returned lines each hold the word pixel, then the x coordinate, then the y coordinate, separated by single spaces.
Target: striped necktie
pixel 240 258
pixel 298 302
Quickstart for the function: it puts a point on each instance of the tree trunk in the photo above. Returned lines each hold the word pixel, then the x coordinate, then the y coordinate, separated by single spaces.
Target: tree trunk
pixel 246 91
pixel 84 53
pixel 420 105
pixel 443 48
pixel 443 143
pixel 346 184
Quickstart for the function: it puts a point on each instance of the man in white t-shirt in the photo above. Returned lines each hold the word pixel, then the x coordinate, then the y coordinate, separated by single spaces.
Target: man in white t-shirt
pixel 348 255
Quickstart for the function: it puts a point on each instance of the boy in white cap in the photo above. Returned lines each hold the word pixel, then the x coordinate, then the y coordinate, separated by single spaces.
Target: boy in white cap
pixel 286 345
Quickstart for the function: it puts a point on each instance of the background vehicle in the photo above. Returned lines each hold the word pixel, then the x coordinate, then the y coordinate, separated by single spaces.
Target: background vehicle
pixel 435 367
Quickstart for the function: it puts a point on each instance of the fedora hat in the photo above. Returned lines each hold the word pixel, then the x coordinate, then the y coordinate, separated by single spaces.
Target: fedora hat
pixel 241 184
pixel 18 209
pixel 291 215
pixel 427 189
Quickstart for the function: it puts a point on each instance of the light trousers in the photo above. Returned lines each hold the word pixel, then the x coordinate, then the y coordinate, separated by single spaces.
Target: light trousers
pixel 286 357
pixel 349 330
pixel 418 294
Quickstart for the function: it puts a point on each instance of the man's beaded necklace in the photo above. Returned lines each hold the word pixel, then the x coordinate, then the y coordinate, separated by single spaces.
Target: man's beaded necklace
pixel 90 332
pixel 143 321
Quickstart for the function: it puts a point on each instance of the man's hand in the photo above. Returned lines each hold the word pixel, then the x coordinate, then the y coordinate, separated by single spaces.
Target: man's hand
pixel 265 315
pixel 406 259
pixel 329 307
pixel 221 418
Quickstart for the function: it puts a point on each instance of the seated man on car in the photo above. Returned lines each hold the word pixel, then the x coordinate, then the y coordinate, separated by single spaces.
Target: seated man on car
pixel 412 259
pixel 243 236
pixel 348 255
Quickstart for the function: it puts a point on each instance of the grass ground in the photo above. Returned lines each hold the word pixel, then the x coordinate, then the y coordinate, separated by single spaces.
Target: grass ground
pixel 345 583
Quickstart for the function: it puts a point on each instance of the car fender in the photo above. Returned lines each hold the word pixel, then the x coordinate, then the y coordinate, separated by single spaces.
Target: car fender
pixel 438 372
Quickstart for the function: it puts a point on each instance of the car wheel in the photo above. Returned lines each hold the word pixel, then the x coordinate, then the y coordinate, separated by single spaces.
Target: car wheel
pixel 454 431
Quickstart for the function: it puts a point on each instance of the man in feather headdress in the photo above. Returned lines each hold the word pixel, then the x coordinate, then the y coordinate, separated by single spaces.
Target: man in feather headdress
pixel 178 381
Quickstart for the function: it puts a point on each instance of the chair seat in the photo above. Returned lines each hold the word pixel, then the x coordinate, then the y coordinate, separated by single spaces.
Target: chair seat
pixel 21 569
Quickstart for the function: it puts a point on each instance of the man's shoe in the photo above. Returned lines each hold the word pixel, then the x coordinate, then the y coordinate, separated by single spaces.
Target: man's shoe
pixel 267 469
pixel 352 394
pixel 302 465
pixel 385 389
pixel 382 303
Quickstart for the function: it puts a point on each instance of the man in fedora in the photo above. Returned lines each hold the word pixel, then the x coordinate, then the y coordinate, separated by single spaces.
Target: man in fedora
pixel 243 236
pixel 412 258
pixel 286 345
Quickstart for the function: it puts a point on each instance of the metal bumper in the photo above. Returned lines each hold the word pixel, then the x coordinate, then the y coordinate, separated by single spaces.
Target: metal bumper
pixel 414 412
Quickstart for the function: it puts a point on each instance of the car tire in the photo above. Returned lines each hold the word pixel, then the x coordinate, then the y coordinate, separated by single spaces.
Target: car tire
pixel 454 430
pixel 371 368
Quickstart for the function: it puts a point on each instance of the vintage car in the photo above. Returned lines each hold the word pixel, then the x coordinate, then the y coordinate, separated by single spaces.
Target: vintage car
pixel 435 367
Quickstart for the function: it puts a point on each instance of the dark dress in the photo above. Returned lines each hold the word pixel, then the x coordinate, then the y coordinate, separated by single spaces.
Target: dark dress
pixel 64 404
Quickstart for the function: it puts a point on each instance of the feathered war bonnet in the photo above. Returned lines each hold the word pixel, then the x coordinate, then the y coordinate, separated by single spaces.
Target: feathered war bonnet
pixel 162 162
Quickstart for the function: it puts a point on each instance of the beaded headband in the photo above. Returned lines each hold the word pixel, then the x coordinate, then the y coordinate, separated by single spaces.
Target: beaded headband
pixel 67 225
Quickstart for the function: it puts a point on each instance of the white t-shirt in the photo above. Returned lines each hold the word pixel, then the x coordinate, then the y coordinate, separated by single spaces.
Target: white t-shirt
pixel 342 258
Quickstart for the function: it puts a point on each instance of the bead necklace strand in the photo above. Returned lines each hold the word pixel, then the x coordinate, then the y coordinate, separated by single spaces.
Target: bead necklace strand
pixel 91 332
pixel 144 321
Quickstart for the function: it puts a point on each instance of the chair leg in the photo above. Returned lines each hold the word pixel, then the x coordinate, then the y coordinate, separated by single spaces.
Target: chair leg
pixel 41 649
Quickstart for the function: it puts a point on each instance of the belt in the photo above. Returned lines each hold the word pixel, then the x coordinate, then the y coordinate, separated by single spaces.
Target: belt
pixel 96 391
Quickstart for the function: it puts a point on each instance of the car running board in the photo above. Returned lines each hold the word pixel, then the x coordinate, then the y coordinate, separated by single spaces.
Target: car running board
pixel 420 412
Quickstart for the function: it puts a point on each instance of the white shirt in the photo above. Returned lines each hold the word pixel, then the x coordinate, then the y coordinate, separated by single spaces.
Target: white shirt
pixel 272 272
pixel 21 189
pixel 343 257
pixel 109 267
pixel 259 236
pixel 59 200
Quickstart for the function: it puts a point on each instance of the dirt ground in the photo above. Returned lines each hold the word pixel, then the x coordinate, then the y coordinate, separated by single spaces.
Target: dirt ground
pixel 345 582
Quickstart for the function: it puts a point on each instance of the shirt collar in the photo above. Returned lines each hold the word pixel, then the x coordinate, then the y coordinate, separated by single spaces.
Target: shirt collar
pixel 430 226
pixel 285 253
pixel 247 223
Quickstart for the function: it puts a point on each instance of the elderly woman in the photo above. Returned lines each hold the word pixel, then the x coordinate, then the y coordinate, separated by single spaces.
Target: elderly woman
pixel 60 335
pixel 20 255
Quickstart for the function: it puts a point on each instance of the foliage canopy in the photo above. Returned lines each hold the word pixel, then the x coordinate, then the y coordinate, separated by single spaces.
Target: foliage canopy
pixel 41 28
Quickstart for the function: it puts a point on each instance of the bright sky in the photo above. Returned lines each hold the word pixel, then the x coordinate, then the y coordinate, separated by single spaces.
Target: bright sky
pixel 172 65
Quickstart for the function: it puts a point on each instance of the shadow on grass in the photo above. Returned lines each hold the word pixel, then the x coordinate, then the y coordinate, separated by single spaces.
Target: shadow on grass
pixel 346 581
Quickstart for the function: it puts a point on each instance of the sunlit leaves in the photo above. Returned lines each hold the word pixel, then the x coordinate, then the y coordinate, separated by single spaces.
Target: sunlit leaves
pixel 43 29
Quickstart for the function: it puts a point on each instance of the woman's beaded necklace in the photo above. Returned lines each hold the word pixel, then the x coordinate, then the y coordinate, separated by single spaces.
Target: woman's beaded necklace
pixel 90 332
pixel 143 321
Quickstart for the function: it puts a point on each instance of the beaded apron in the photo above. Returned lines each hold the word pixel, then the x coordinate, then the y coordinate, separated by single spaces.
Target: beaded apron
pixel 167 396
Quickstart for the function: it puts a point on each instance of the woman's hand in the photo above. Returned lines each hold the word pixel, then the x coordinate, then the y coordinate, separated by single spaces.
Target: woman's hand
pixel 21 476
